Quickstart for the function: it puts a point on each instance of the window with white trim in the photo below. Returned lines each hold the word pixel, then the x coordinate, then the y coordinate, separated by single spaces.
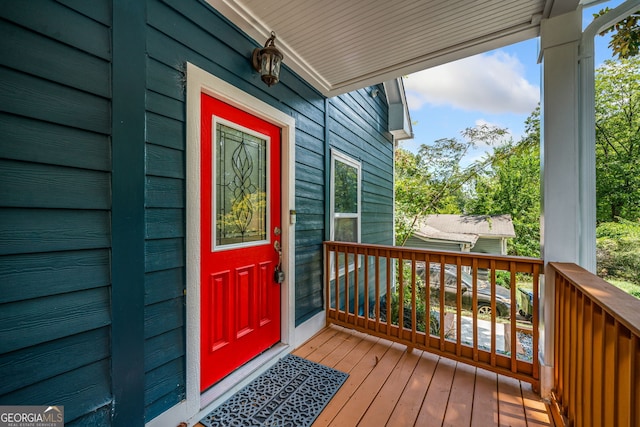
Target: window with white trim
pixel 345 198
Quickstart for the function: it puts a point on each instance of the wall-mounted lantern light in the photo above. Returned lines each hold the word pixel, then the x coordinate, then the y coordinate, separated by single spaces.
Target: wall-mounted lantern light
pixel 267 61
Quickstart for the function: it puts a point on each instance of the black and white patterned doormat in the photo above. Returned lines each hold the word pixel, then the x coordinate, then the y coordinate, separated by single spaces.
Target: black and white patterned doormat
pixel 292 393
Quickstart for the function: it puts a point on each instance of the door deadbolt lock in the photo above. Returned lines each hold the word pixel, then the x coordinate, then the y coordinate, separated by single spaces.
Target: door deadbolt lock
pixel 278 274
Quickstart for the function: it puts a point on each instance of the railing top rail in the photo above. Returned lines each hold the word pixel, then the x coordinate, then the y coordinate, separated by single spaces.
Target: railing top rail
pixel 623 307
pixel 463 255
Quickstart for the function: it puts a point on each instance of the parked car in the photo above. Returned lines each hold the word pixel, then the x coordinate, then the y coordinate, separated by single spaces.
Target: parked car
pixel 502 295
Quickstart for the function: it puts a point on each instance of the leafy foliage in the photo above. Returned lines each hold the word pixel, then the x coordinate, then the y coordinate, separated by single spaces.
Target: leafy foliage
pixel 618 140
pixel 512 186
pixel 432 181
pixel 618 249
pixel 508 180
pixel 625 41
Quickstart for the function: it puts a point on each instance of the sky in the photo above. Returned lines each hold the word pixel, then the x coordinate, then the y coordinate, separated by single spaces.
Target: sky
pixel 500 88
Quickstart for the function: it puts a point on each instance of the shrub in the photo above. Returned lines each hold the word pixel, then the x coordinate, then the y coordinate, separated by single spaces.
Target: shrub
pixel 618 250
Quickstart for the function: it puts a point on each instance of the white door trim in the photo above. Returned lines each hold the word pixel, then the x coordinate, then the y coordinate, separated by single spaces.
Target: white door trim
pixel 200 81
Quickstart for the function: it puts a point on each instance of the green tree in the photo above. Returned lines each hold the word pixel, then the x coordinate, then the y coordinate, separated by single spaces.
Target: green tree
pixel 625 41
pixel 432 181
pixel 512 186
pixel 618 250
pixel 618 140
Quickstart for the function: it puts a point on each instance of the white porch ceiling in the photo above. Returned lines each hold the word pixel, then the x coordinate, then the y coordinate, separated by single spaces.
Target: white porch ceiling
pixel 343 45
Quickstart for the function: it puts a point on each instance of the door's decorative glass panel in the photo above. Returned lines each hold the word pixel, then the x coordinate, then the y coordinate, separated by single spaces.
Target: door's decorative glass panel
pixel 240 186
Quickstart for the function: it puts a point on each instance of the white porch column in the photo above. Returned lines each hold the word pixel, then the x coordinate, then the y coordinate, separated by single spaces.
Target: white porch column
pixel 561 214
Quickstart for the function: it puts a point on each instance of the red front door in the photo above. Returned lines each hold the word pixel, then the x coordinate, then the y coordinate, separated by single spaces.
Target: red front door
pixel 240 225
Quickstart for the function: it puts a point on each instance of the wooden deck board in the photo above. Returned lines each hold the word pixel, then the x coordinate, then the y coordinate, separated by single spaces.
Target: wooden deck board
pixel 435 401
pixel 358 364
pixel 354 409
pixel 485 399
pixel 461 398
pixel 510 405
pixel 388 386
pixel 385 402
pixel 408 407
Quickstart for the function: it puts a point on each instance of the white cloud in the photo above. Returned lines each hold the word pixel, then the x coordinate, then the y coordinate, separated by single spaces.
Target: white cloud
pixel 491 83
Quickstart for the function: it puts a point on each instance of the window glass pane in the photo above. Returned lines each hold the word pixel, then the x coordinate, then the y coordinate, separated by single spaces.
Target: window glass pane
pixel 241 187
pixel 346 188
pixel 346 229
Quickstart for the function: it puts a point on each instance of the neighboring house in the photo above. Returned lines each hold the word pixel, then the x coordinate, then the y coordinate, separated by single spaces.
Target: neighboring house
pixel 486 234
pixel 149 181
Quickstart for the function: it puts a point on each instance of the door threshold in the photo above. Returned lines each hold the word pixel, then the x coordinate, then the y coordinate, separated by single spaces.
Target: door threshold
pixel 242 376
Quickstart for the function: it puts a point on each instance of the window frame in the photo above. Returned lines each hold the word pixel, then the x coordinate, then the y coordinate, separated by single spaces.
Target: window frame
pixel 337 156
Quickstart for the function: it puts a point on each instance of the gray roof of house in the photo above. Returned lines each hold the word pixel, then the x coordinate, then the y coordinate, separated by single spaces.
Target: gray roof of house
pixel 458 225
pixel 428 232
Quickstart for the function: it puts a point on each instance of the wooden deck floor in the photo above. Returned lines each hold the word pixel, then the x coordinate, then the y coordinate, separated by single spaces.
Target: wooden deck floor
pixel 388 386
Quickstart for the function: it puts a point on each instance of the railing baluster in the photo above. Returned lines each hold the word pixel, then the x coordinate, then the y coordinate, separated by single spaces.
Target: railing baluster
pixel 458 306
pixel 414 307
pixel 346 284
pixel 566 316
pixel 610 356
pixel 579 366
pixel 534 332
pixel 442 309
pixel 388 299
pixel 512 316
pixel 634 398
pixel 400 294
pixel 351 290
pixel 598 367
pixel 327 278
pixel 427 300
pixel 588 362
pixel 377 272
pixel 356 293
pixel 366 287
pixel 336 280
pixel 492 284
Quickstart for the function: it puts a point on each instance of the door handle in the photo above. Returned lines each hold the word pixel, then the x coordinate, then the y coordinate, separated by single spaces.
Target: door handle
pixel 278 274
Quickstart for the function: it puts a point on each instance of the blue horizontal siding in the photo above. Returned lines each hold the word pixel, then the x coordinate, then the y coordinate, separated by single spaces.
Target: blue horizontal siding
pixel 165 131
pixel 165 387
pixel 56 186
pixel 60 23
pixel 26 366
pixel 164 162
pixel 49 101
pixel 81 391
pixel 41 274
pixel 48 143
pixel 39 55
pixel 169 345
pixel 165 80
pixel 165 192
pixel 38 230
pixel 164 285
pixel 55 196
pixel 34 321
pixel 164 223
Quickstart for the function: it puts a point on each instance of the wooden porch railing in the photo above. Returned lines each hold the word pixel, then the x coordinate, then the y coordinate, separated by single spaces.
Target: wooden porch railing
pixel 371 287
pixel 596 351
